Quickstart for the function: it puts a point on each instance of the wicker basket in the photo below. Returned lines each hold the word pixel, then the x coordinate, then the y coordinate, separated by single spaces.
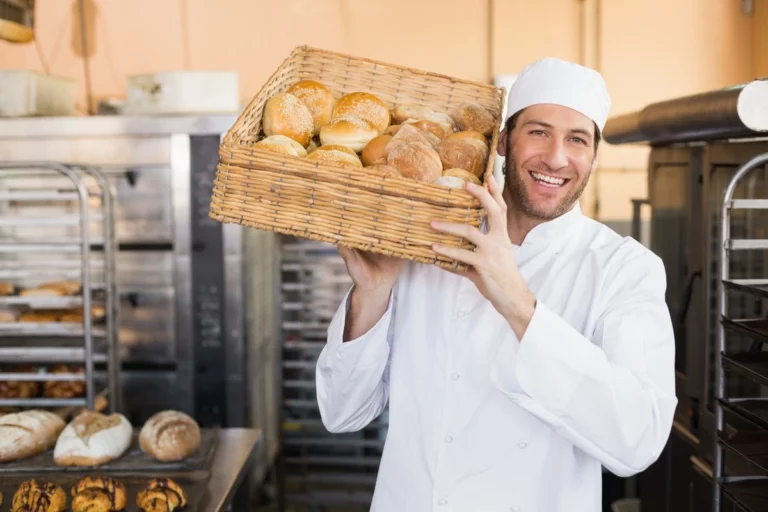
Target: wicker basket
pixel 342 206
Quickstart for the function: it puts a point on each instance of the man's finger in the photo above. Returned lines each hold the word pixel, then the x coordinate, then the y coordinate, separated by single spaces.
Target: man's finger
pixel 470 233
pixel 496 218
pixel 462 255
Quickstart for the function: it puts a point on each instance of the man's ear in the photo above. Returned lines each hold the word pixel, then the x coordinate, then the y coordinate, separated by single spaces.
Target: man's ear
pixel 501 147
pixel 594 165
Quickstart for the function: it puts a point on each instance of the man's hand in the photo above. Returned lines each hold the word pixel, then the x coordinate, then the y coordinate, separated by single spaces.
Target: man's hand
pixel 492 265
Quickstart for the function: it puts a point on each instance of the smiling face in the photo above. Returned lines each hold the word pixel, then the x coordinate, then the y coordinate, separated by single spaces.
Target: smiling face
pixel 549 155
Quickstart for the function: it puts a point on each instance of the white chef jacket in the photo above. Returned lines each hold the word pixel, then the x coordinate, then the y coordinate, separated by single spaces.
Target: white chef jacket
pixel 480 421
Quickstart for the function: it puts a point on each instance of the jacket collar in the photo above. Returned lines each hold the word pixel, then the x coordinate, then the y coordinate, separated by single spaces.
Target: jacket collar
pixel 555 230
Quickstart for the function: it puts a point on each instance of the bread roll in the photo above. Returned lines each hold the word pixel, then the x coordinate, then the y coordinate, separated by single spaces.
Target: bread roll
pixel 20 388
pixel 6 289
pixel 41 316
pixel 477 139
pixel 336 147
pixel 9 315
pixel 374 152
pixel 43 292
pixel 383 170
pixel 312 146
pixel 450 182
pixel 473 116
pixel 285 114
pixel 365 106
pixel 170 436
pixel 461 173
pixel 334 157
pixel 392 130
pixel 457 154
pixel 429 126
pixel 282 144
pixel 409 133
pixel 55 289
pixel 92 439
pixel 318 100
pixel 417 161
pixel 63 388
pixel 350 132
pixel 403 113
pixel 39 496
pixel 28 433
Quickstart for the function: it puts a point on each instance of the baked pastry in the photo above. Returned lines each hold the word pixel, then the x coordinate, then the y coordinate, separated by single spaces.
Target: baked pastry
pixel 464 175
pixel 39 316
pixel 403 113
pixel 161 495
pixel 282 144
pixel 20 388
pixel 409 133
pixel 7 288
pixel 285 114
pixel 365 106
pixel 450 182
pixel 351 132
pixel 429 126
pixel 39 496
pixel 383 170
pixel 473 116
pixel 455 154
pixel 92 439
pixel 53 289
pixel 98 494
pixel 170 436
pixel 318 99
pixel 374 152
pixel 28 433
pixel 334 157
pixel 63 388
pixel 9 315
pixel 477 139
pixel 76 315
pixel 417 161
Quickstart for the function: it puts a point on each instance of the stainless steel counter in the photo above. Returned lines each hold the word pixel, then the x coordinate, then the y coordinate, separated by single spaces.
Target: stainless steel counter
pixel 234 458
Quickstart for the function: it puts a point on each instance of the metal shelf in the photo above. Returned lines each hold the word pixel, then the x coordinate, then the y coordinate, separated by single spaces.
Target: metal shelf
pixel 47 355
pixel 58 220
pixel 757 287
pixel 42 376
pixel 755 328
pixel 42 302
pixel 749 204
pixel 751 495
pixel 43 402
pixel 754 410
pixel 750 445
pixel 58 329
pixel 753 365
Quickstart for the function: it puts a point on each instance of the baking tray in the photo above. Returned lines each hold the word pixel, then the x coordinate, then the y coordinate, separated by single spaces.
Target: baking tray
pixel 132 461
pixel 194 483
pixel 757 328
pixel 752 495
pixel 752 365
pixel 751 445
pixel 754 410
pixel 757 287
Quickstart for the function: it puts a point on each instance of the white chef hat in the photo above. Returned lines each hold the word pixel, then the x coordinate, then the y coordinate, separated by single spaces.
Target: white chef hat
pixel 559 82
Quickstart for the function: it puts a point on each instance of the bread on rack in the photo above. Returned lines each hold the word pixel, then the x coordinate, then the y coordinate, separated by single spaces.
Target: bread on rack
pixel 20 388
pixel 365 106
pixel 76 315
pixel 53 289
pixel 39 496
pixel 170 436
pixel 9 315
pixel 473 116
pixel 39 316
pixel 285 114
pixel 161 495
pixel 28 433
pixel 98 494
pixel 7 288
pixel 63 388
pixel 92 439
pixel 318 99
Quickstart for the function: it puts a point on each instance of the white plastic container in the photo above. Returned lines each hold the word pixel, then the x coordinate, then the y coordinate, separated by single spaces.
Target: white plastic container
pixel 183 92
pixel 25 93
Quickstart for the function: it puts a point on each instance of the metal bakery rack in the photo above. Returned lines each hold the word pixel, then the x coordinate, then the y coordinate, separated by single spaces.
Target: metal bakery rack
pixel 57 226
pixel 742 420
pixel 321 469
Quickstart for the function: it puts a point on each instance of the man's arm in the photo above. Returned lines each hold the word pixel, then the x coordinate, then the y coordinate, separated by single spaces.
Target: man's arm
pixel 613 395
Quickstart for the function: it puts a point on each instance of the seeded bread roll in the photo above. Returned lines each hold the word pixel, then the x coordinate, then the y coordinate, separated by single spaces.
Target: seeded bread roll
pixel 403 113
pixel 92 439
pixel 285 114
pixel 350 132
pixel 365 106
pixel 318 100
pixel 170 436
pixel 282 144
pixel 461 155
pixel 417 161
pixel 334 157
pixel 28 433
pixel 473 116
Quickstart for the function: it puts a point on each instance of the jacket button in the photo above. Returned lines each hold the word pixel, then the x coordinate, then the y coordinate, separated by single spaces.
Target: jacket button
pixel 442 501
pixel 522 445
pixel 515 509
pixel 448 439
pixel 455 376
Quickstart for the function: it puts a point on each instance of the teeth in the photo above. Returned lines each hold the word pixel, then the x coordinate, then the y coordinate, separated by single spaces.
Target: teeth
pixel 549 180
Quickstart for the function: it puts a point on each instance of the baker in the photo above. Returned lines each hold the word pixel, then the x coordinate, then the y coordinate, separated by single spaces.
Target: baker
pixel 511 384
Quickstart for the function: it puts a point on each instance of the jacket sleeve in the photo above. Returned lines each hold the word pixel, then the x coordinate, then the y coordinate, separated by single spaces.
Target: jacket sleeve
pixel 613 394
pixel 352 378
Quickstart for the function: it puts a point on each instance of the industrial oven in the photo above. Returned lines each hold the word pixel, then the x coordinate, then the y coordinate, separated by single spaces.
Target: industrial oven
pixel 196 311
pixel 697 145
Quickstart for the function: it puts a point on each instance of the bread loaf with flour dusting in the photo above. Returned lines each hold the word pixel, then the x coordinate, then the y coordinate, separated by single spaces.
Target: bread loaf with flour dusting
pixel 28 433
pixel 170 436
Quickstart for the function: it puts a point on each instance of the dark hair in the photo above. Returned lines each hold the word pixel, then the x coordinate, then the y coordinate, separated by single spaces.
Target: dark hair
pixel 512 121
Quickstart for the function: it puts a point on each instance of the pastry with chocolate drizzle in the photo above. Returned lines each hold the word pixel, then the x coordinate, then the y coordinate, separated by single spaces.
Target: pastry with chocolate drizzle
pixel 98 494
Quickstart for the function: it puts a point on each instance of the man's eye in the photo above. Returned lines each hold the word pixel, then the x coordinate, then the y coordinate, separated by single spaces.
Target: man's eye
pixel 579 140
pixel 537 132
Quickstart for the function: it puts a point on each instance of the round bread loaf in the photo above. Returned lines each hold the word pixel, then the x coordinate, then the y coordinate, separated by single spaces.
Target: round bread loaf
pixel 365 106
pixel 403 113
pixel 473 116
pixel 92 439
pixel 326 155
pixel 417 161
pixel 473 137
pixel 375 151
pixel 28 433
pixel 282 144
pixel 170 436
pixel 409 133
pixel 464 175
pixel 318 99
pixel 383 170
pixel 285 114
pixel 461 155
pixel 429 126
pixel 350 132
pixel 450 182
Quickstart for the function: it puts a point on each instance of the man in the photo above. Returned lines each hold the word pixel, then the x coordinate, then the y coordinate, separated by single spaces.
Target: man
pixel 511 384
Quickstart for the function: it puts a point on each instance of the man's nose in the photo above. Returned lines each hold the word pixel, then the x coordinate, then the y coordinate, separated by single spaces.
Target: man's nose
pixel 554 155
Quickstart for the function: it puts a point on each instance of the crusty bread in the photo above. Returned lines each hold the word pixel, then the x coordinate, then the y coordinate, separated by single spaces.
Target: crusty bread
pixel 28 433
pixel 92 439
pixel 43 292
pixel 473 116
pixel 318 99
pixel 9 315
pixel 334 157
pixel 461 155
pixel 365 106
pixel 39 316
pixel 409 133
pixel 170 436
pixel 417 161
pixel 20 388
pixel 282 144
pixel 429 126
pixel 7 288
pixel 475 138
pixel 375 151
pixel 464 175
pixel 351 132
pixel 63 388
pixel 285 114
pixel 450 182
pixel 404 113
